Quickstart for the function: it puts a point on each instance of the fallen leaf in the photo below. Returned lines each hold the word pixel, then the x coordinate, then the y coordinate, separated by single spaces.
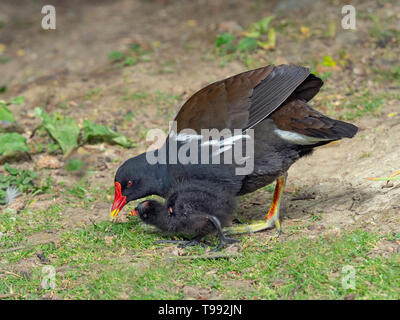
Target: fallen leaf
pixel 191 23
pixel 20 53
pixel 305 31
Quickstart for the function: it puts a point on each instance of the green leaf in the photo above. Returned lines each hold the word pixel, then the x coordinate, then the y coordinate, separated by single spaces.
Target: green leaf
pixel 63 130
pixel 74 165
pixel 135 47
pixel 247 44
pixel 12 144
pixel 18 100
pixel 12 171
pixel 225 44
pixel 123 141
pixel 129 61
pixel 93 133
pixel 263 24
pixel 52 147
pixel 223 39
pixel 116 56
pixel 328 61
pixel 6 114
pixel 270 44
pixel 21 179
pixel 258 28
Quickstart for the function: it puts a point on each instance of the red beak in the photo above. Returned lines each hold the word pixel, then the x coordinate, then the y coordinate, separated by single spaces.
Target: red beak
pixel 119 200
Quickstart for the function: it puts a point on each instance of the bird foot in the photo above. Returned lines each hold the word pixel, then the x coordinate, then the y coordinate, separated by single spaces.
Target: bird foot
pixel 187 243
pixel 278 228
pixel 224 241
pixel 255 226
pixel 193 242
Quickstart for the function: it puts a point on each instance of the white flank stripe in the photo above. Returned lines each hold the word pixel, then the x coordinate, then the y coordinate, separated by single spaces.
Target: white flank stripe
pixel 183 137
pixel 297 138
pixel 227 141
pixel 223 149
pixel 224 144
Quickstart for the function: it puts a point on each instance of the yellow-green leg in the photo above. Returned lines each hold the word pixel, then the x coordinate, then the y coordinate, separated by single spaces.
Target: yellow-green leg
pixel 272 217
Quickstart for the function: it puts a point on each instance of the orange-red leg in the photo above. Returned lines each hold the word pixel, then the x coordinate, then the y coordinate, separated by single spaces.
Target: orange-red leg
pixel 273 212
pixel 272 217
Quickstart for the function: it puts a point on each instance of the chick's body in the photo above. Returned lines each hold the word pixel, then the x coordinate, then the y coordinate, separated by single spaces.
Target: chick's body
pixel 189 207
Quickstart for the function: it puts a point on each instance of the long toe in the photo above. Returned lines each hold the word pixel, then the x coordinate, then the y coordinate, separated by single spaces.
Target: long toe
pixel 255 226
pixel 219 247
pixel 193 242
pixel 183 243
pixel 231 240
pixel 171 241
pixel 224 242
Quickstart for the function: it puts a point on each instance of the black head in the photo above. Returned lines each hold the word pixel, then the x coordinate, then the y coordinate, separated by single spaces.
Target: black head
pixel 150 211
pixel 135 179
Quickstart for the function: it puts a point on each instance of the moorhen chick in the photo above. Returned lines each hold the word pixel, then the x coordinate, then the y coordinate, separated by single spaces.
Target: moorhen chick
pixel 272 101
pixel 193 208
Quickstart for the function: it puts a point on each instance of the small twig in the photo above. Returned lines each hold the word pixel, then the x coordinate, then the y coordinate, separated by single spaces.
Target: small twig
pixel 34 131
pixel 207 256
pixel 7 295
pixel 304 197
pixel 26 247
pixel 10 273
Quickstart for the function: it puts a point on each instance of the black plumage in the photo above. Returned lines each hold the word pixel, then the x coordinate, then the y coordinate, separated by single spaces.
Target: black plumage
pixel 193 208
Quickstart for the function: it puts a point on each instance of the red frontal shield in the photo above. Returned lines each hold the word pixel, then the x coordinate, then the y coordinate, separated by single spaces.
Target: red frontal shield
pixel 119 200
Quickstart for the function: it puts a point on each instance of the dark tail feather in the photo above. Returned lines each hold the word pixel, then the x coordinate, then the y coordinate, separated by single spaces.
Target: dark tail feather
pixel 344 129
pixel 308 89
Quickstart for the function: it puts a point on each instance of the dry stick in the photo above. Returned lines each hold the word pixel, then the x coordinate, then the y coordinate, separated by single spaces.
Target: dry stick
pixel 305 197
pixel 7 295
pixel 10 273
pixel 26 247
pixel 206 256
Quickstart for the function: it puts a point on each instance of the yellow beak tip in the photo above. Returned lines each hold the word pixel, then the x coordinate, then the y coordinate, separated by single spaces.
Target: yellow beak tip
pixel 114 213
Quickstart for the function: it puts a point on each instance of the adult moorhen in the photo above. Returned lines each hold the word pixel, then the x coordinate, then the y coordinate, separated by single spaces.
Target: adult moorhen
pixel 272 101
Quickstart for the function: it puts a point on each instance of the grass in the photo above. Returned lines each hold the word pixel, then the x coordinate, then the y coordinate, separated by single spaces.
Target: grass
pixel 391 75
pixel 134 55
pixel 120 260
pixel 355 104
pixel 365 103
pixel 165 103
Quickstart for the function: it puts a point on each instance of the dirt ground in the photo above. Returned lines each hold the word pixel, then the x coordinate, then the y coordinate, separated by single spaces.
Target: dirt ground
pixel 68 70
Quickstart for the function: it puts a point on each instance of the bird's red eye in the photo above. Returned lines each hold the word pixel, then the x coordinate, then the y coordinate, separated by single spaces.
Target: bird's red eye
pixel 130 183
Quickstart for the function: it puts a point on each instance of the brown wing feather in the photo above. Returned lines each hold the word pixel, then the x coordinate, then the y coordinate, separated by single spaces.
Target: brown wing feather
pixel 297 116
pixel 223 104
pixel 242 101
